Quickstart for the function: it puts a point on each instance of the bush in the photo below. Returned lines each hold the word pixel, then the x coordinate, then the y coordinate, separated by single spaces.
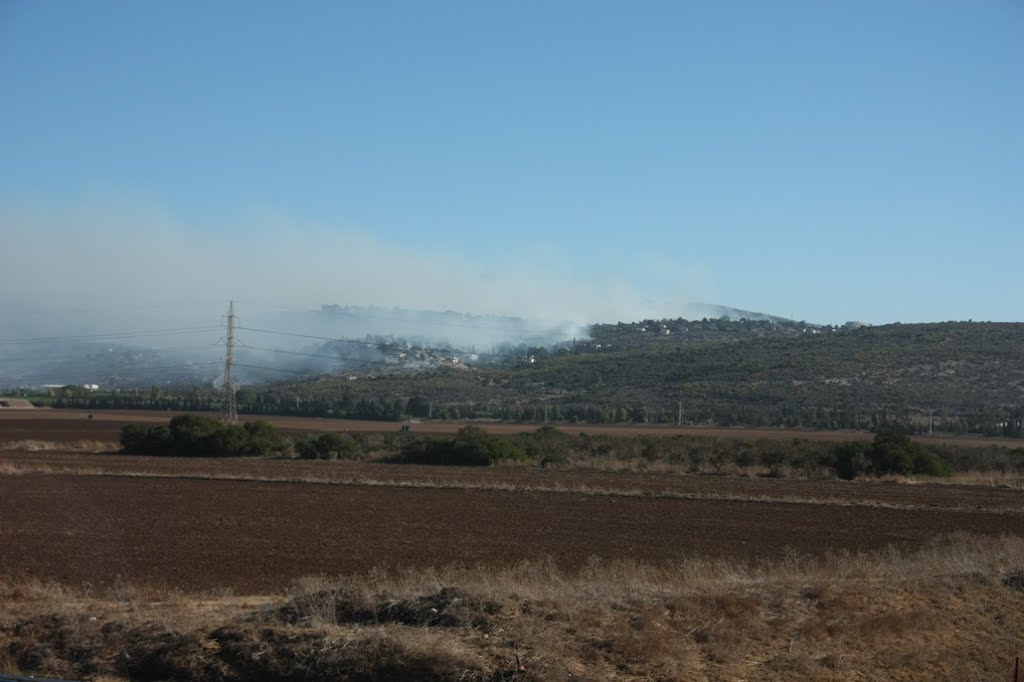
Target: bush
pixel 142 438
pixel 851 460
pixel 192 433
pixel 930 464
pixel 194 436
pixel 471 446
pixel 895 453
pixel 262 439
pixel 328 446
pixel 547 441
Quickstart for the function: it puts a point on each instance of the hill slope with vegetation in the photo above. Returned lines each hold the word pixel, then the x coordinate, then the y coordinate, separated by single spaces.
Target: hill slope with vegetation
pixel 968 375
pixel 956 376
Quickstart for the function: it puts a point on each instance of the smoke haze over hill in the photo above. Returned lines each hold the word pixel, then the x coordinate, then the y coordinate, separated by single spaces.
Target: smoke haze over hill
pixel 91 268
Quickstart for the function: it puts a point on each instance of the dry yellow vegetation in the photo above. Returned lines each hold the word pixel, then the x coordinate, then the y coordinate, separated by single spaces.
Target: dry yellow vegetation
pixel 949 611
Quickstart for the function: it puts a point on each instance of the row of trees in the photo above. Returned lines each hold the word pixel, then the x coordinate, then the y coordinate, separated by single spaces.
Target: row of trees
pixel 890 452
pixel 1004 422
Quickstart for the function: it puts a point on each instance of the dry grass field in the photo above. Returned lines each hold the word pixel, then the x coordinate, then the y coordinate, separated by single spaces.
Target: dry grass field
pixel 147 568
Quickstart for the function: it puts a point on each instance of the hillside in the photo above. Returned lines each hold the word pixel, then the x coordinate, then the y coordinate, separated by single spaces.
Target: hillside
pixel 970 376
pixel 962 376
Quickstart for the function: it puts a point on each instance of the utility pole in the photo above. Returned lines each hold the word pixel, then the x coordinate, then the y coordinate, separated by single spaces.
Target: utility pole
pixel 230 414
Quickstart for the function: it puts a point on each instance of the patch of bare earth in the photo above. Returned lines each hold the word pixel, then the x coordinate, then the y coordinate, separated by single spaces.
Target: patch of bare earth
pixel 105 425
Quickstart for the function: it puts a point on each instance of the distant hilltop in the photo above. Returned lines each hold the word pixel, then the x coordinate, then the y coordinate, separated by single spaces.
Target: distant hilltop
pixel 710 310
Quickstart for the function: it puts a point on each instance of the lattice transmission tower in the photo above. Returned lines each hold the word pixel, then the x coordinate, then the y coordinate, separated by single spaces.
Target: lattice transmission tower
pixel 229 414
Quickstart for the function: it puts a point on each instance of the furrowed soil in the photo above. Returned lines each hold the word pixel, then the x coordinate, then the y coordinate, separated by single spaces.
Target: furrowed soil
pixel 258 536
pixel 256 525
pixel 120 567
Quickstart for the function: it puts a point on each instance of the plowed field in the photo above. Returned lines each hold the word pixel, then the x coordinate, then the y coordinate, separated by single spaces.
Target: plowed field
pixel 937 496
pixel 260 536
pixel 255 525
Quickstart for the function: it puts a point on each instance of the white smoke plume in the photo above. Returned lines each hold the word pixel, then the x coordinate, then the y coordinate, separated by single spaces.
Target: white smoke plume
pixel 121 265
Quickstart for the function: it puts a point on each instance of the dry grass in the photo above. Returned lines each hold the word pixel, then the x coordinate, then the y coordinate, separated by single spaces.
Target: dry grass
pixel 55 446
pixel 949 611
pixel 988 479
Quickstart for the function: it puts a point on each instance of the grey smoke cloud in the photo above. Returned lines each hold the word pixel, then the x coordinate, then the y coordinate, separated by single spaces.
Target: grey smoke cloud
pixel 128 264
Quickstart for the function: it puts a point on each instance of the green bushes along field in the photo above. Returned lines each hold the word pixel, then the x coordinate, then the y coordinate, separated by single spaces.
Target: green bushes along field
pixel 190 435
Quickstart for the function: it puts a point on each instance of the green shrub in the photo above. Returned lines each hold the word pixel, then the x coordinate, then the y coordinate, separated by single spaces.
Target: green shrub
pixel 194 436
pixel 328 446
pixel 143 438
pixel 927 463
pixel 262 439
pixel 851 460
pixel 547 442
pixel 471 446
pixel 895 453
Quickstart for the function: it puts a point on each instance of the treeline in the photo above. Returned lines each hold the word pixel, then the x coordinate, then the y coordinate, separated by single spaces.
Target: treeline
pixel 1006 421
pixel 890 452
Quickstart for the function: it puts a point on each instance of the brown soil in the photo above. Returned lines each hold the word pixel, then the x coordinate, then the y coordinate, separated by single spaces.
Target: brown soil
pixel 74 425
pixel 937 496
pixel 262 536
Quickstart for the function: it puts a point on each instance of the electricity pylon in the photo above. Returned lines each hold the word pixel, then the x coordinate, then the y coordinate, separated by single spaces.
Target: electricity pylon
pixel 230 411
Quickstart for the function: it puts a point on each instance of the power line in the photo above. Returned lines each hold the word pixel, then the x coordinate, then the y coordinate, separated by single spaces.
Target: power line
pixel 293 352
pixel 365 343
pixel 549 331
pixel 114 374
pixel 231 343
pixel 309 336
pixel 271 369
pixel 115 335
pixel 355 361
pixel 107 353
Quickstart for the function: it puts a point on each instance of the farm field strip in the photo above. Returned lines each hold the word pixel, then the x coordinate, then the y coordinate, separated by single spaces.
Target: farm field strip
pixel 617 485
pixel 192 533
pixel 105 425
pixel 683 486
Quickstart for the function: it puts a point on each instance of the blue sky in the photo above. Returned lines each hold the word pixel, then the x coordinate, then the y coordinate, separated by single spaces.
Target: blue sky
pixel 593 160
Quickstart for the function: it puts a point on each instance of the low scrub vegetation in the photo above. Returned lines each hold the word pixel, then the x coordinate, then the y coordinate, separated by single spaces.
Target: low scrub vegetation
pixel 191 435
pixel 890 453
pixel 471 446
pixel 948 611
pixel 327 446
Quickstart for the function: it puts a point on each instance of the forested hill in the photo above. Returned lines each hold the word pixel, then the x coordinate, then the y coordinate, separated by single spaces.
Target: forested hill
pixel 967 376
pixel 840 378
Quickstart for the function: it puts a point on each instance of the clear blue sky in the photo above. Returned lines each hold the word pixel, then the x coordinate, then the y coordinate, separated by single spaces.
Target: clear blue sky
pixel 825 160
